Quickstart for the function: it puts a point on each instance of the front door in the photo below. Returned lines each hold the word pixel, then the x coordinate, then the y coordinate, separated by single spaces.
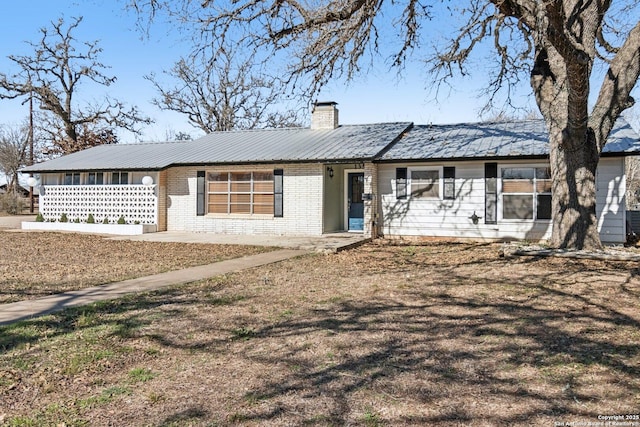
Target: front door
pixel 355 205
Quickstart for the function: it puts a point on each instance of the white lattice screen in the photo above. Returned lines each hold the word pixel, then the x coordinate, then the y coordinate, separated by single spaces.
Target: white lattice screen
pixel 137 203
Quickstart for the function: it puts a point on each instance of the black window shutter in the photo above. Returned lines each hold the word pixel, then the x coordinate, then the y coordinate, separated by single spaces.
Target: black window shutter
pixel 490 193
pixel 200 211
pixel 449 175
pixel 401 183
pixel 278 211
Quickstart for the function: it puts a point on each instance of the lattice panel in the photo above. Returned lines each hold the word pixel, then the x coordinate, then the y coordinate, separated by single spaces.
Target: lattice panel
pixel 137 203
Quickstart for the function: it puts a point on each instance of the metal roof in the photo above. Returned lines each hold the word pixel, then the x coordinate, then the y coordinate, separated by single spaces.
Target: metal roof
pixel 527 138
pixel 386 142
pixel 348 142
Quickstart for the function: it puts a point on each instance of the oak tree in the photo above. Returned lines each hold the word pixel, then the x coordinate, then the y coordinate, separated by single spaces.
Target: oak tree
pixel 53 74
pixel 557 44
pixel 222 91
pixel 14 142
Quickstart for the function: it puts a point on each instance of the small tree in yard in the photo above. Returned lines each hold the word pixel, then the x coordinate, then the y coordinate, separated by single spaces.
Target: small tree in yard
pixel 556 43
pixel 14 142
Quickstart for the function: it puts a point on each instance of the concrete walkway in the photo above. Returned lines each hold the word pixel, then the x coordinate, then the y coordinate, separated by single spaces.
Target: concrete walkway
pixel 293 246
pixel 15 221
pixel 326 243
pixel 29 309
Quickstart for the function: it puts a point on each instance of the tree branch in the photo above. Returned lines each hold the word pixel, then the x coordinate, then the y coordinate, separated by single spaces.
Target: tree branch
pixel 52 75
pixel 615 91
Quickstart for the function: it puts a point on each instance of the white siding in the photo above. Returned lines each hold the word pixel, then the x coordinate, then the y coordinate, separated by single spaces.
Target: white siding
pixel 436 218
pixel 302 187
pixel 452 218
pixel 610 200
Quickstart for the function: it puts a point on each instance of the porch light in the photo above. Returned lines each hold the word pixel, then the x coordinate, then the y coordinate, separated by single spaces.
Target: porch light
pixel 32 181
pixel 330 170
pixel 147 180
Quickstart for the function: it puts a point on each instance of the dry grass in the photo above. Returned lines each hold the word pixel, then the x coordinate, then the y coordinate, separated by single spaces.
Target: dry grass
pixel 37 264
pixel 433 334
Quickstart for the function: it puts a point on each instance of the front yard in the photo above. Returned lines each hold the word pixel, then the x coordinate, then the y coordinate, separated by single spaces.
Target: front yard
pixel 33 265
pixel 388 334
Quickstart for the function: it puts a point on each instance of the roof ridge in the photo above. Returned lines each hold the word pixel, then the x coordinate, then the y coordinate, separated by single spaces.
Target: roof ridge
pixel 129 144
pixel 494 122
pixel 300 128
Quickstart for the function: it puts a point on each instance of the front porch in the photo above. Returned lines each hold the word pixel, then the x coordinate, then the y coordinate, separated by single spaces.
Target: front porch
pixel 326 243
pixel 350 202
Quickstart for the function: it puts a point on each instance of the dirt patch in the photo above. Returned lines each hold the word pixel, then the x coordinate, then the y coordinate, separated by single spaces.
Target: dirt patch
pixel 388 334
pixel 37 264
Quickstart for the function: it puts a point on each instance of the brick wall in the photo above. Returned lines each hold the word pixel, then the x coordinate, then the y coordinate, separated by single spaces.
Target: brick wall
pixel 302 203
pixel 324 117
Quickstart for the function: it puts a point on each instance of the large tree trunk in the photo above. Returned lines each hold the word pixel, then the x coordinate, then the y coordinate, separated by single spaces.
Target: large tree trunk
pixel 560 81
pixel 573 160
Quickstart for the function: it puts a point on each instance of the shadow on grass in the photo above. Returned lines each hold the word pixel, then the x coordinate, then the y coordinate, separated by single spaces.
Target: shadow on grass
pixel 524 344
pixel 27 332
pixel 186 417
pixel 445 351
pixel 470 364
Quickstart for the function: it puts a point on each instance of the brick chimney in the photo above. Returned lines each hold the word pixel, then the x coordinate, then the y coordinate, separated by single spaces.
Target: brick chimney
pixel 324 115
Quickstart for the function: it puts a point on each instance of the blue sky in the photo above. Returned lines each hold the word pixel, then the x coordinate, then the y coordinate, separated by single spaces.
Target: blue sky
pixel 124 50
pixel 376 97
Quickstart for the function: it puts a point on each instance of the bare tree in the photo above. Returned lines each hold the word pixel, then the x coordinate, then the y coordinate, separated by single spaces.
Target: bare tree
pixel 633 182
pixel 222 92
pixel 510 116
pixel 55 141
pixel 172 135
pixel 632 165
pixel 557 43
pixel 53 74
pixel 14 141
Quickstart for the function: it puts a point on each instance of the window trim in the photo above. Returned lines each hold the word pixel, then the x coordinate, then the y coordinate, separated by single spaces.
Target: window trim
pixel 410 171
pixel 534 194
pixel 278 193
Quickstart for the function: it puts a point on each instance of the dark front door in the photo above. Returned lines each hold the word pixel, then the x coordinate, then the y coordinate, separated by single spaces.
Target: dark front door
pixel 355 205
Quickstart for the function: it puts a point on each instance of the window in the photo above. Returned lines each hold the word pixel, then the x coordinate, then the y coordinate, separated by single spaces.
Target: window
pixel 425 183
pixel 95 178
pixel 241 193
pixel 119 178
pixel 526 193
pixel 72 178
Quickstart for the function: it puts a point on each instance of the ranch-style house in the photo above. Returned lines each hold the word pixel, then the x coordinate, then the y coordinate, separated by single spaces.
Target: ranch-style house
pixel 487 181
